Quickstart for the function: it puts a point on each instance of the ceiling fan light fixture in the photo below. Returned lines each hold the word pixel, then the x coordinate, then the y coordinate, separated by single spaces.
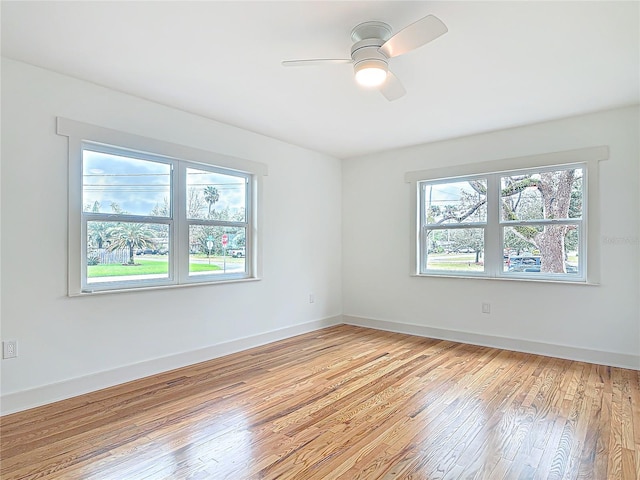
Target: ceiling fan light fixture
pixel 375 44
pixel 371 73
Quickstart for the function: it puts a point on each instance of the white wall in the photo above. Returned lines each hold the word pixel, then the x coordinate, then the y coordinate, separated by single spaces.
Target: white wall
pixel 89 342
pixel 594 323
pixel 339 230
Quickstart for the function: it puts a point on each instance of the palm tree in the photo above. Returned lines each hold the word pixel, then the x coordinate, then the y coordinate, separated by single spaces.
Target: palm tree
pixel 194 203
pixel 131 236
pixel 98 233
pixel 211 196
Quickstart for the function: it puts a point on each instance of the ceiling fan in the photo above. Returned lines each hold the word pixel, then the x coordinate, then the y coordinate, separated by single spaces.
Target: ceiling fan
pixel 374 45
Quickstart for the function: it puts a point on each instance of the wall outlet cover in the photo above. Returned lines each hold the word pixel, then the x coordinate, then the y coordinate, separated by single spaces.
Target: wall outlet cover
pixel 9 349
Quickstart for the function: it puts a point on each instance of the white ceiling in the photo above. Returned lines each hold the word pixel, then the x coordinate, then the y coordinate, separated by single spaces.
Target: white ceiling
pixel 501 64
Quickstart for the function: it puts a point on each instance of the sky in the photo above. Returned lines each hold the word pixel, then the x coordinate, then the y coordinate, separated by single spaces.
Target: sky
pixel 137 186
pixel 450 193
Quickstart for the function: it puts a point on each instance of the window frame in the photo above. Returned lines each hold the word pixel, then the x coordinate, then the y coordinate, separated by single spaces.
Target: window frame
pixel 186 277
pixel 580 223
pixel 424 226
pixel 587 158
pixel 180 158
pixel 86 217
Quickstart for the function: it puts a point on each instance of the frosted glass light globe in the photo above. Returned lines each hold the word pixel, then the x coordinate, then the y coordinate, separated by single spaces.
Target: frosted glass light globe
pixel 371 76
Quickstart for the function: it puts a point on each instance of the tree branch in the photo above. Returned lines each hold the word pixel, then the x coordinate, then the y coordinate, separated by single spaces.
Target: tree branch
pixel 465 215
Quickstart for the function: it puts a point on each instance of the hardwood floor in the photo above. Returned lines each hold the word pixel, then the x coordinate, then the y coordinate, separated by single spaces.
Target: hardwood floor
pixel 343 402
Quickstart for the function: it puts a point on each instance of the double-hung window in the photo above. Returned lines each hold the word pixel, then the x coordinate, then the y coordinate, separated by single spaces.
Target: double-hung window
pixel 519 223
pixel 145 213
pixel 454 221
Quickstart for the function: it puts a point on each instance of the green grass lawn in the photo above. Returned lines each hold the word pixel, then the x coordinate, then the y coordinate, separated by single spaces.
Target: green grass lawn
pixel 141 267
pixel 202 267
pixel 456 262
pixel 465 266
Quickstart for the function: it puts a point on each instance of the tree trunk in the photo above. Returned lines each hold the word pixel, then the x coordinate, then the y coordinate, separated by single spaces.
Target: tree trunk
pixel 556 196
pixel 552 249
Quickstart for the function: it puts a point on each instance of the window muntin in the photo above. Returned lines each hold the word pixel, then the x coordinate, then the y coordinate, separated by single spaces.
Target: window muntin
pixel 535 230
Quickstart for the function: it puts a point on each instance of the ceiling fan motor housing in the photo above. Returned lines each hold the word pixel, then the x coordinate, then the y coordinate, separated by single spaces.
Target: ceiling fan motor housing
pixel 366 54
pixel 368 38
pixel 371 30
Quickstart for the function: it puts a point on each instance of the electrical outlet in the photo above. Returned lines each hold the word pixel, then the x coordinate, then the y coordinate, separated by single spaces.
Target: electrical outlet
pixel 9 349
pixel 486 307
pixel 312 298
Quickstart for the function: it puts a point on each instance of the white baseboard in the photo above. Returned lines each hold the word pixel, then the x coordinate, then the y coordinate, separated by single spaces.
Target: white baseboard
pixel 23 400
pixel 526 346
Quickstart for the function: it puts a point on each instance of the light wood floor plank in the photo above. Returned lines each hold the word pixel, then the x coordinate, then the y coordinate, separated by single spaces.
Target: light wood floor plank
pixel 342 403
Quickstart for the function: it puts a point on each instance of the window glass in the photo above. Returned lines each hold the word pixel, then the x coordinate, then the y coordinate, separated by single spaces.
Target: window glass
pixel 456 250
pixel 216 250
pixel 118 184
pixel 526 256
pixel 217 196
pixel 126 251
pixel 555 194
pixel 456 201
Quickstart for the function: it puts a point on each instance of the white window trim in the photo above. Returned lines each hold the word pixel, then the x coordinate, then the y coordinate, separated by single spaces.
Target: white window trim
pixel 79 132
pixel 590 156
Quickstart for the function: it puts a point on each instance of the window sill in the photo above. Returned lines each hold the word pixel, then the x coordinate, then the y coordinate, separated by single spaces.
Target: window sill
pixel 86 293
pixel 513 279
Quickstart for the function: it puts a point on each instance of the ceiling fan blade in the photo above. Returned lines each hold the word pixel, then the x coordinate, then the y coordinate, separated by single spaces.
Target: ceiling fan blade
pixel 315 61
pixel 392 89
pixel 414 36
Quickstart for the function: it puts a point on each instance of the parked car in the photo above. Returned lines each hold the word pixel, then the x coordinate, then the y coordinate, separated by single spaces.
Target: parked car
pixel 570 268
pixel 236 252
pixel 520 263
pixel 146 251
pixel 531 264
pixel 525 268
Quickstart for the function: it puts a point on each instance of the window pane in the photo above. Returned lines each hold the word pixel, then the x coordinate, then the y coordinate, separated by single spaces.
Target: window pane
pixel 215 196
pixel 117 184
pixel 124 251
pixel 549 249
pixel 547 195
pixel 216 250
pixel 456 202
pixel 459 249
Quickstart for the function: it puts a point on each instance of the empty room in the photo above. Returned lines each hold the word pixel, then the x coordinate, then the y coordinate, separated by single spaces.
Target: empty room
pixel 320 240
